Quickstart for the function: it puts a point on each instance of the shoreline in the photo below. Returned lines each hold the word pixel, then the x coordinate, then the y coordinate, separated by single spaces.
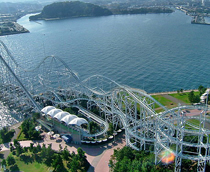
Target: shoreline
pixel 171 92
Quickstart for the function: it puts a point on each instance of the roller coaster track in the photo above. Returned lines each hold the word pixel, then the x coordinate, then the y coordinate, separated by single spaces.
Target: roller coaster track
pixel 126 107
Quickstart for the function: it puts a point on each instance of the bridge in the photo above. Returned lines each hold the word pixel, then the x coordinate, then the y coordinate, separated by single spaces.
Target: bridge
pixel 53 82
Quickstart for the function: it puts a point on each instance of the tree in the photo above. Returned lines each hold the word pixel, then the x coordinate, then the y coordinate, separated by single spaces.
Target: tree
pixel 49 155
pixel 16 143
pixel 31 147
pixel 28 128
pixel 14 167
pixel 123 165
pixel 3 134
pixel 111 129
pixel 6 135
pixel 126 159
pixel 19 150
pixel 191 96
pixel 3 163
pixel 11 147
pixel 74 164
pixel 38 148
pixel 60 148
pixel 10 160
pixel 201 89
pixel 43 151
pixel 57 163
pixel 81 154
pixel 65 154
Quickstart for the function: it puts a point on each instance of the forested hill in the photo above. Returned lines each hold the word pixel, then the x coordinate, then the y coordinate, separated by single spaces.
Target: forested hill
pixel 68 9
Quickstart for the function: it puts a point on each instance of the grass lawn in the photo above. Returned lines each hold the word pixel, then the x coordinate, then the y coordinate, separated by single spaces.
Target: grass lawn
pixel 194 122
pixel 183 96
pixel 21 136
pixel 33 167
pixel 164 101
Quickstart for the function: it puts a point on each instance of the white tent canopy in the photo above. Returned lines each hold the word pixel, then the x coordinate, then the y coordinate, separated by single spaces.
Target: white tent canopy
pixel 60 115
pixel 68 118
pixel 78 121
pixel 53 112
pixel 46 109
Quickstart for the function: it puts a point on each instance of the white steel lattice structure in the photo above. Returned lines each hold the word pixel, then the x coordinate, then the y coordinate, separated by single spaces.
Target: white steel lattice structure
pixel 53 82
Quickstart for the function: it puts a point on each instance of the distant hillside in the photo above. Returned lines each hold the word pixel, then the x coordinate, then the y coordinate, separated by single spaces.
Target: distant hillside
pixel 68 9
pixel 143 10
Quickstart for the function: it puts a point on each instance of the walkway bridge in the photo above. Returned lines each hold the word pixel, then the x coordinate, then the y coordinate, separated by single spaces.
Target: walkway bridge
pixel 52 82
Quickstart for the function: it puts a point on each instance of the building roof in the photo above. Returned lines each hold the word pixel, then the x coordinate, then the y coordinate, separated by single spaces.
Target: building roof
pixel 60 115
pixel 78 121
pixel 46 109
pixel 68 118
pixel 53 112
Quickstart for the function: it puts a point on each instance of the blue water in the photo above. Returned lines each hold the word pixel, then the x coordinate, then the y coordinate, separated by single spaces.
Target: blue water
pixel 154 52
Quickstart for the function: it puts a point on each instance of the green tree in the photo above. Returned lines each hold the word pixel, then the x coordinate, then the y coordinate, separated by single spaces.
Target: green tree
pixel 31 148
pixel 49 155
pixel 111 129
pixel 3 134
pixel 81 154
pixel 123 165
pixel 193 98
pixel 19 150
pixel 136 165
pixel 14 167
pixel 6 135
pixel 3 163
pixel 57 163
pixel 16 143
pixel 60 148
pixel 65 154
pixel 28 128
pixel 43 151
pixel 10 160
pixel 201 89
pixel 39 148
pixel 11 147
pixel 74 165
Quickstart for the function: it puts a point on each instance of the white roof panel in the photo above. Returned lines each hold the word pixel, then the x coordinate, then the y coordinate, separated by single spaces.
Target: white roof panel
pixel 68 118
pixel 53 112
pixel 47 109
pixel 78 121
pixel 60 115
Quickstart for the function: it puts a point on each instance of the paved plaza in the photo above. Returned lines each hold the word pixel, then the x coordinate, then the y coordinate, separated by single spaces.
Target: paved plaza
pixel 97 155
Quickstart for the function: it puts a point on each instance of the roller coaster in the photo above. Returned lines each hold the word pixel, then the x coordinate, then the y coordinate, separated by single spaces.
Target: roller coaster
pixel 53 82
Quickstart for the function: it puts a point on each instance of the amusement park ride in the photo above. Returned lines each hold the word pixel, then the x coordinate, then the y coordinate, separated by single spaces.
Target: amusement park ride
pixel 131 109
